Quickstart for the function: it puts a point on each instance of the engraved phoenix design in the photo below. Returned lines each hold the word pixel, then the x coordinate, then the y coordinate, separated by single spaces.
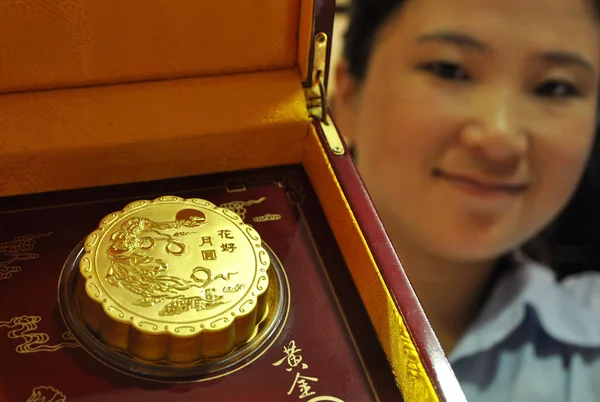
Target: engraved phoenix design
pixel 133 268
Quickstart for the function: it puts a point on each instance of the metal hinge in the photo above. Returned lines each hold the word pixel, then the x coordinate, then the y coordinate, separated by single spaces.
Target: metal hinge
pixel 316 96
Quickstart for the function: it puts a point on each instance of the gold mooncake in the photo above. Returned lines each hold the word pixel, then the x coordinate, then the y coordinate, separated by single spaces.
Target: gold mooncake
pixel 173 279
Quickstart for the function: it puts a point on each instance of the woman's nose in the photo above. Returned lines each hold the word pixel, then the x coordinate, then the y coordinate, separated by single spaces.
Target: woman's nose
pixel 495 131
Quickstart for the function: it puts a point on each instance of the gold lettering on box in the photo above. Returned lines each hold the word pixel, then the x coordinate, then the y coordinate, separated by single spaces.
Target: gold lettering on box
pixel 302 384
pixel 239 207
pixel 46 394
pixel 19 249
pixel 23 328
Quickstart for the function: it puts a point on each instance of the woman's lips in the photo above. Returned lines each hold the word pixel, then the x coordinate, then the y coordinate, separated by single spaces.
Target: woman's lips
pixel 484 185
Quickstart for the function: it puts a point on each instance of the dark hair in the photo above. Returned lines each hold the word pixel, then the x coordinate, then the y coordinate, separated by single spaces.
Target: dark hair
pixel 572 242
pixel 366 19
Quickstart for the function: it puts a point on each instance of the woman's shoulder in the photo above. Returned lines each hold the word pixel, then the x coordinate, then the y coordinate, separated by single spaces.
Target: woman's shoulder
pixel 530 300
pixel 568 310
pixel 535 339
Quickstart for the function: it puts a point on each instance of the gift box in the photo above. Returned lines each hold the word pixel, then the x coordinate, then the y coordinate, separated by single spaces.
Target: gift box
pixel 213 113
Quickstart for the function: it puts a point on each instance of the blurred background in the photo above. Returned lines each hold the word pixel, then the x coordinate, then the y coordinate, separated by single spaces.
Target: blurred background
pixel 339 27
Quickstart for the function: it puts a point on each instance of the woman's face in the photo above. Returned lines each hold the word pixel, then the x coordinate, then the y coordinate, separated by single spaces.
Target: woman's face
pixel 475 119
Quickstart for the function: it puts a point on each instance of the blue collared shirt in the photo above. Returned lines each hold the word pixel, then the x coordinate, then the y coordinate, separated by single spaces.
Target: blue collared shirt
pixel 535 340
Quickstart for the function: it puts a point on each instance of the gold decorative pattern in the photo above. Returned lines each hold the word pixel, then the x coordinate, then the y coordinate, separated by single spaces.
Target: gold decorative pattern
pixel 413 363
pixel 6 272
pixel 239 207
pixel 287 180
pixel 23 328
pixel 46 394
pixel 18 249
pixel 267 218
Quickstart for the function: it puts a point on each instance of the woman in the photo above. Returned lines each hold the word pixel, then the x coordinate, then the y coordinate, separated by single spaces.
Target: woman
pixel 473 122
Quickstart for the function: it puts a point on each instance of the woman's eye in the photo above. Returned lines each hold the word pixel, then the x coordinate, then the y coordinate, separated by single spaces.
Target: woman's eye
pixel 557 89
pixel 447 70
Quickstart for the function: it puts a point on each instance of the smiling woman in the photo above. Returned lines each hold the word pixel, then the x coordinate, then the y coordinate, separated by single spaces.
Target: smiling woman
pixel 473 122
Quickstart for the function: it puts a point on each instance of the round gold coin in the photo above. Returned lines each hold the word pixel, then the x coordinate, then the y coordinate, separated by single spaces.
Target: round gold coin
pixel 173 279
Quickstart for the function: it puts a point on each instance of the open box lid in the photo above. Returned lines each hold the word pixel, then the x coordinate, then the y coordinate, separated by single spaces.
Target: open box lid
pixel 100 92
pixel 50 45
pixel 144 83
